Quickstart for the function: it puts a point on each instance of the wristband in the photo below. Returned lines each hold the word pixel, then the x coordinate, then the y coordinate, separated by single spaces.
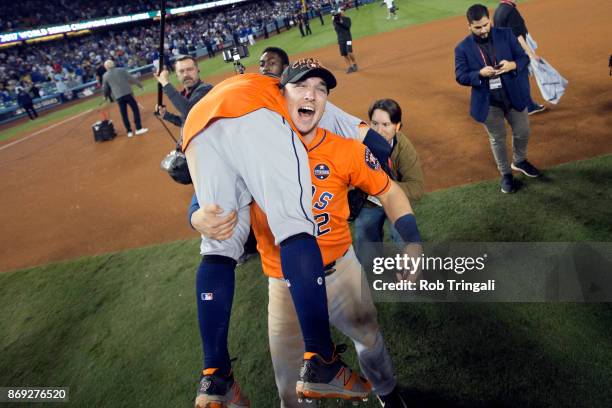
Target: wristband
pixel 406 226
pixel 378 145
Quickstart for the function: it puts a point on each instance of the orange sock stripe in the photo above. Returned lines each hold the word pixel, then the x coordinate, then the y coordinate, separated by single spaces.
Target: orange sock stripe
pixel 209 371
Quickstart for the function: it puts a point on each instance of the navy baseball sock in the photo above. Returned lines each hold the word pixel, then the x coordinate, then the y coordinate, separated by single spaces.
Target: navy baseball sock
pixel 303 268
pixel 215 292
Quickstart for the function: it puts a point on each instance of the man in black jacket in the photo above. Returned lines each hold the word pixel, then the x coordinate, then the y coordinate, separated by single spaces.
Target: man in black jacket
pixel 25 101
pixel 342 25
pixel 507 16
pixel 194 89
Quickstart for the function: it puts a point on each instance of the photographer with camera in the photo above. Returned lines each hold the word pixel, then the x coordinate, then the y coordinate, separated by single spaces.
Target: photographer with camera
pixel 188 74
pixel 194 89
pixel 342 25
pixel 234 54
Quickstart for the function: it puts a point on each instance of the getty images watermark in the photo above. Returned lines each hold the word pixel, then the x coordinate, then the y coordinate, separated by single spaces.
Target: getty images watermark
pixel 405 265
pixel 489 272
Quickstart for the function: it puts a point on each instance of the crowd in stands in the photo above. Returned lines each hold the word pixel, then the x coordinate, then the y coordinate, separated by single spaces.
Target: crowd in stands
pixel 35 13
pixel 58 66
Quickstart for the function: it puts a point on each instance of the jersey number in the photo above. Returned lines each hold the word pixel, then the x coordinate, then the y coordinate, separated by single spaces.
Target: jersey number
pixel 322 220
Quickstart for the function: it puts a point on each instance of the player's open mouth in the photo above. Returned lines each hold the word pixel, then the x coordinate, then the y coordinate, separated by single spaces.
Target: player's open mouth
pixel 306 112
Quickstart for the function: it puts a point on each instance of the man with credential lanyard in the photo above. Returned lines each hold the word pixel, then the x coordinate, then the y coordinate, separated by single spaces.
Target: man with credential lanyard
pixel 492 62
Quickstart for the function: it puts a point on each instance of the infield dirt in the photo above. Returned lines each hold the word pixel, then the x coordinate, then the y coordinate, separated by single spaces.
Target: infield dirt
pixel 64 196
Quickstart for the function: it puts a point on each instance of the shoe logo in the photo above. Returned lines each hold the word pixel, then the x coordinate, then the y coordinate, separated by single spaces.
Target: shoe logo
pixel 346 376
pixel 205 385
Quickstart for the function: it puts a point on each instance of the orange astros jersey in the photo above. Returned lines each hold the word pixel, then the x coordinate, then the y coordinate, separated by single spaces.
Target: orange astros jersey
pixel 335 164
pixel 234 97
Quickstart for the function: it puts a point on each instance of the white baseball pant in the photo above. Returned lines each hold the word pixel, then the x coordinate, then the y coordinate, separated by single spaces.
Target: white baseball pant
pixel 351 311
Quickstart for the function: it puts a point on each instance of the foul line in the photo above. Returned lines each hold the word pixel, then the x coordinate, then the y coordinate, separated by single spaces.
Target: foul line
pixel 23 139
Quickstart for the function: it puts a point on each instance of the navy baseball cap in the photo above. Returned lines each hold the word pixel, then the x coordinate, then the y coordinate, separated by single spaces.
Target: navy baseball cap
pixel 307 68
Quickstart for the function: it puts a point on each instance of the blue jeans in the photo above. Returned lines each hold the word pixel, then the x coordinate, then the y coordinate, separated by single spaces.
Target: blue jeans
pixel 368 228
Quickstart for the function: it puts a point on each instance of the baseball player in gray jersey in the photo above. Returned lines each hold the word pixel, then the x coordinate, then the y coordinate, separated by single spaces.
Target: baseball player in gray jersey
pixel 272 62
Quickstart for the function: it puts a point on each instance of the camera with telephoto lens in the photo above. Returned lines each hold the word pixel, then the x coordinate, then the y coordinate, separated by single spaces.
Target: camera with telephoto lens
pixel 234 54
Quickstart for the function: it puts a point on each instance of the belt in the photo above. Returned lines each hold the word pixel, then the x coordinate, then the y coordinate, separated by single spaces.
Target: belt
pixel 331 267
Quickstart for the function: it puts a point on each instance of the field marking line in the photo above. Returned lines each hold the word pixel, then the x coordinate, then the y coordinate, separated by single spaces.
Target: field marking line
pixel 23 139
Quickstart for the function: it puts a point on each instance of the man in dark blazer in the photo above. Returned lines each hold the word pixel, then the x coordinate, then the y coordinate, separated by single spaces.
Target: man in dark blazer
pixel 492 62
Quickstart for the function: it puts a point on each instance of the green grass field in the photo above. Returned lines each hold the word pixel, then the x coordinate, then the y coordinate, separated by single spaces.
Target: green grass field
pixel 368 20
pixel 121 329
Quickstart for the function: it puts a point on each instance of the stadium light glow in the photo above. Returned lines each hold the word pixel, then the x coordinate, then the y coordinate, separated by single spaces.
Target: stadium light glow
pixel 41 32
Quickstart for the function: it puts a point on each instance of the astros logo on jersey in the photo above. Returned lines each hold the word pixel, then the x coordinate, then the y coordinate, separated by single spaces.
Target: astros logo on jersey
pixel 371 160
pixel 321 171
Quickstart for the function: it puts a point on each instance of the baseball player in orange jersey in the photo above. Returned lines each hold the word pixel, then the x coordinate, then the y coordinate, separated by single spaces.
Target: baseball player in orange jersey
pixel 229 138
pixel 335 164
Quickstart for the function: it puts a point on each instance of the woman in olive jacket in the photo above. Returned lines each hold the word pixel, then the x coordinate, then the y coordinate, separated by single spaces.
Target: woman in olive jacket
pixel 386 118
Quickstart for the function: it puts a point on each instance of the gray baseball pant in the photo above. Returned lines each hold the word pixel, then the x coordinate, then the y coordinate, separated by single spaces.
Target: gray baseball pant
pixel 255 156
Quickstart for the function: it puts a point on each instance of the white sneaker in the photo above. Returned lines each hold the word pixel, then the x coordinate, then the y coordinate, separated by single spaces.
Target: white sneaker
pixel 141 131
pixel 130 134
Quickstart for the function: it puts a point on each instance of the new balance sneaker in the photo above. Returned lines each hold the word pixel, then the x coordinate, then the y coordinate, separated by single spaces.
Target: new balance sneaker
pixel 130 134
pixel 526 168
pixel 141 131
pixel 218 391
pixel 535 109
pixel 392 400
pixel 507 184
pixel 330 379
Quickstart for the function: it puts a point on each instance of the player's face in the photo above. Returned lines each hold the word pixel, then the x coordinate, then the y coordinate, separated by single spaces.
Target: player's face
pixel 381 122
pixel 187 72
pixel 481 28
pixel 271 64
pixel 306 103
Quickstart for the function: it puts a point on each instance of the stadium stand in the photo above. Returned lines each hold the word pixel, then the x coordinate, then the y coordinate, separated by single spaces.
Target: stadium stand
pixel 63 69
